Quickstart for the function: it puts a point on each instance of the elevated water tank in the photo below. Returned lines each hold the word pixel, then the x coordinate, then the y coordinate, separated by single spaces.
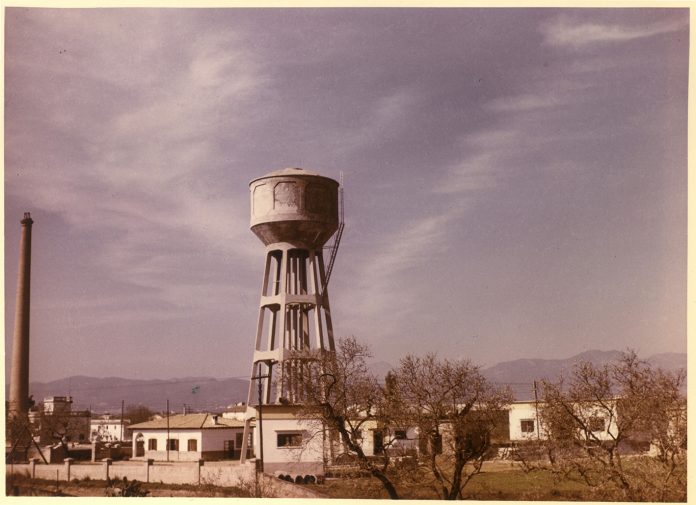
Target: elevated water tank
pixel 296 206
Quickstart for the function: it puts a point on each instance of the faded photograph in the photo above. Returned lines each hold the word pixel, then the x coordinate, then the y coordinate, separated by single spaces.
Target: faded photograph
pixel 363 253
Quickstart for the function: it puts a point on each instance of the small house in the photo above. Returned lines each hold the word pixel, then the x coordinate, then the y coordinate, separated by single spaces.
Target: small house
pixel 188 437
pixel 291 444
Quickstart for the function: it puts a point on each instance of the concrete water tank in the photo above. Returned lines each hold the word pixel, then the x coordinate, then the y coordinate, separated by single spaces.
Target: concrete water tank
pixel 295 206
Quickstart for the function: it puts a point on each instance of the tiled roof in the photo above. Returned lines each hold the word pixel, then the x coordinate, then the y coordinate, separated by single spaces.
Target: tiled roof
pixel 189 421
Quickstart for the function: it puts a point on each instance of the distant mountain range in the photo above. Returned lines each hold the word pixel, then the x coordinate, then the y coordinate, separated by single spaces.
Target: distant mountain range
pixel 106 394
pixel 520 374
pixel 206 393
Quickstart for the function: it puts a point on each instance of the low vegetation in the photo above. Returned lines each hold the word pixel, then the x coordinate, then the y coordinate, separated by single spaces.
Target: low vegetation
pixel 499 485
pixel 22 485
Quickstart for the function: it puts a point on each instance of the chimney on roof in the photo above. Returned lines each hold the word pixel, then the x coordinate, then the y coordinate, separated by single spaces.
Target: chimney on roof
pixel 215 419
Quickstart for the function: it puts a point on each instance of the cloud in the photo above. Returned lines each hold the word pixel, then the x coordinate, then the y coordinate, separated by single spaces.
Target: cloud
pixel 138 163
pixel 564 31
pixel 520 103
pixel 386 277
pixel 473 174
pixel 385 118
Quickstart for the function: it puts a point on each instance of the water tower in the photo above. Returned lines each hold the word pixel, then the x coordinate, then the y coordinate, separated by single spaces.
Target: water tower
pixel 294 212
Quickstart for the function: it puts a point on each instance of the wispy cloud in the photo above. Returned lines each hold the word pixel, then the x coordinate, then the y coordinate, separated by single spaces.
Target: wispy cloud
pixel 473 174
pixel 385 119
pixel 148 173
pixel 520 103
pixel 566 31
pixel 387 276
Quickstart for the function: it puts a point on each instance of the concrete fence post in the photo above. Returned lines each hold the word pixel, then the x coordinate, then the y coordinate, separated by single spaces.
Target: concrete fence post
pixel 68 464
pixel 148 464
pixel 94 451
pixel 201 462
pixel 107 464
pixel 32 465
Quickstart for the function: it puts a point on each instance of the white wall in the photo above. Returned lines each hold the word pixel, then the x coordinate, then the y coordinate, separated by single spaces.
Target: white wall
pixel 206 441
pixel 527 410
pixel 108 430
pixel 214 440
pixel 519 412
pixel 311 450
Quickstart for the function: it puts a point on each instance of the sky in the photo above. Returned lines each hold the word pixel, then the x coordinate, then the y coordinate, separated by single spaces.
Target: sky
pixel 515 180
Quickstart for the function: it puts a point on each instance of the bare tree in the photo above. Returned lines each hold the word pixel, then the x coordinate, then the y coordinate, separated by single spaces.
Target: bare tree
pixel 592 421
pixel 456 412
pixel 138 413
pixel 341 395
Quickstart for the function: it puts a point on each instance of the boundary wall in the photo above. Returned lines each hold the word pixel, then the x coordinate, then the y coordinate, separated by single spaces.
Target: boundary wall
pixel 220 474
pixel 169 473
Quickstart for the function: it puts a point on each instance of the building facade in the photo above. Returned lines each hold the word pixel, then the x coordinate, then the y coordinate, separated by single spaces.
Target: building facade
pixel 188 437
pixel 291 444
pixel 108 429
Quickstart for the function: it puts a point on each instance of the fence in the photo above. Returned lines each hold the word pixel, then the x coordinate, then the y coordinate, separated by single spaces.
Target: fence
pixel 169 473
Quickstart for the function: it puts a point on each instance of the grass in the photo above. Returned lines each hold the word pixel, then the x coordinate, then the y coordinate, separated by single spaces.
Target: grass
pixel 499 485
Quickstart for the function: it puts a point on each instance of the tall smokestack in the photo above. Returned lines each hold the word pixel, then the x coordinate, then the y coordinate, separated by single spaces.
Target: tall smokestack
pixel 19 381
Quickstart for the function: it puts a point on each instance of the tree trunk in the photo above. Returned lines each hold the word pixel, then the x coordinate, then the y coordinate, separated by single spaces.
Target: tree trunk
pixel 391 490
pixel 338 422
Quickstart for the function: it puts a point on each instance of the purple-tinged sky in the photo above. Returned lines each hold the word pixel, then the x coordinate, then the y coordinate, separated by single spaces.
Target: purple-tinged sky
pixel 515 179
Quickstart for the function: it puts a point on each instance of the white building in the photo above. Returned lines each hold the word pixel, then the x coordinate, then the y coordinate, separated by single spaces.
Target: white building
pixel 526 420
pixel 290 444
pixel 236 411
pixel 188 437
pixel 108 429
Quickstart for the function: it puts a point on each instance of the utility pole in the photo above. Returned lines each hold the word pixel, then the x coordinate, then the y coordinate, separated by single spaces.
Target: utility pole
pixel 536 408
pixel 259 422
pixel 122 420
pixel 167 429
pixel 258 377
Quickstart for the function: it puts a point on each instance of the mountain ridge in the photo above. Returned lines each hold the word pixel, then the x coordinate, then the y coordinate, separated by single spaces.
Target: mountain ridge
pixel 105 394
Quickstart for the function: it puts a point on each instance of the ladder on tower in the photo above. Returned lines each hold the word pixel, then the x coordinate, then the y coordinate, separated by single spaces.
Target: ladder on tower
pixel 337 237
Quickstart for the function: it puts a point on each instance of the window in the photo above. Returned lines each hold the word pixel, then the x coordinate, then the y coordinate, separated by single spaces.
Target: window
pixel 173 444
pixel 192 445
pixel 527 425
pixel 290 439
pixel 151 444
pixel 596 423
pixel 400 434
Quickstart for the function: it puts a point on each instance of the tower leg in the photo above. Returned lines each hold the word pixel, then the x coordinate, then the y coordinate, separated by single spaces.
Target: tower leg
pixel 293 305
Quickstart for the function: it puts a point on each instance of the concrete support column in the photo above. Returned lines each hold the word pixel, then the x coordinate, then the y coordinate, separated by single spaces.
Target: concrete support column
pixel 68 464
pixel 32 466
pixel 19 381
pixel 107 465
pixel 94 451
